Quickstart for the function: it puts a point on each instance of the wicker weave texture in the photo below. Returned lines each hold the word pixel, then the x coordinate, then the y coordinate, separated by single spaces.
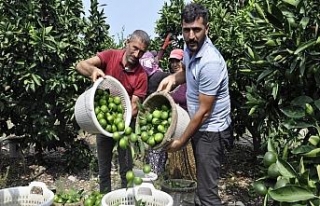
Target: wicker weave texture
pixel 179 118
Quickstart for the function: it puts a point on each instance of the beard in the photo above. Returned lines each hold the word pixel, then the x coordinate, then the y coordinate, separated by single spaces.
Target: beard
pixel 194 46
pixel 132 60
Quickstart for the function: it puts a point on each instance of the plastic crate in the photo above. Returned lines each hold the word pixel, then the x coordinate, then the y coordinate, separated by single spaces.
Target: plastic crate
pixel 145 193
pixel 36 194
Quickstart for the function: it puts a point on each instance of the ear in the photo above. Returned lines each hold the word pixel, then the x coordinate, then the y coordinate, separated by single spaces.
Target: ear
pixel 207 28
pixel 126 42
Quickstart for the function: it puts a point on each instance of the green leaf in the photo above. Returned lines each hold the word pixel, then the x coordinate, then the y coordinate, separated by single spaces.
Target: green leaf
pixel 313 153
pixel 291 193
pixel 48 29
pixel 317 104
pixel 251 53
pixel 301 101
pixel 318 171
pixel 270 146
pixel 301 166
pixel 260 11
pixel 293 112
pixel 275 90
pixel 36 79
pixel 294 3
pixel 302 149
pixel 304 22
pixel 285 169
pixel 304 46
pixel 265 74
pixel 274 20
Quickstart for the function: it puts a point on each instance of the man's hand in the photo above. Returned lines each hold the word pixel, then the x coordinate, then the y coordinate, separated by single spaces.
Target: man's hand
pixel 174 145
pixel 167 84
pixel 96 73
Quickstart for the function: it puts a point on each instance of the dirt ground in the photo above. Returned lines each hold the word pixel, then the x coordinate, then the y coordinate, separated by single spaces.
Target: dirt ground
pixel 238 172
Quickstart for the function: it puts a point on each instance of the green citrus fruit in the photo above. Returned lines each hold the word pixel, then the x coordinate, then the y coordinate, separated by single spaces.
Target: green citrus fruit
pixel 133 137
pixel 164 115
pixel 103 122
pixel 164 107
pixel 158 137
pixel 148 117
pixel 89 202
pixel 144 136
pixel 120 126
pixel 123 143
pixel 117 100
pixel 151 141
pixel 130 175
pixel 146 168
pixel 269 158
pixel 273 171
pixel 156 114
pixel 161 128
pixel 137 180
pixel 104 108
pixel 116 136
pixel 260 188
pixel 128 131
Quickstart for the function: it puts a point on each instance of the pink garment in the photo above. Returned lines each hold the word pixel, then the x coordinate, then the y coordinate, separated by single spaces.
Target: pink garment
pixel 179 96
pixel 149 64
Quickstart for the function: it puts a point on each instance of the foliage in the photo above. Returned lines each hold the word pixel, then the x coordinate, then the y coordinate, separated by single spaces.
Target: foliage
pixel 272 51
pixel 40 43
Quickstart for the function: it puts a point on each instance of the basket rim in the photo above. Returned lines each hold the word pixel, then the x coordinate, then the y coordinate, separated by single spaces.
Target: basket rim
pixel 166 187
pixel 125 191
pixel 126 97
pixel 46 192
pixel 147 177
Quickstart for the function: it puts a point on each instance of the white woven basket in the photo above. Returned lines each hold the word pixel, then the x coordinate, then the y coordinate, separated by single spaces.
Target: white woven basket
pixel 36 194
pixel 84 108
pixel 146 192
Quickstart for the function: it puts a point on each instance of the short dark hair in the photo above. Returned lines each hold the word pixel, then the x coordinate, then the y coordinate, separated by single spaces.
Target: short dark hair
pixel 193 11
pixel 141 35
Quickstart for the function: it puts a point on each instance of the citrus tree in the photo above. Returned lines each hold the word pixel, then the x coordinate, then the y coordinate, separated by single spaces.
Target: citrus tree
pixel 272 49
pixel 41 41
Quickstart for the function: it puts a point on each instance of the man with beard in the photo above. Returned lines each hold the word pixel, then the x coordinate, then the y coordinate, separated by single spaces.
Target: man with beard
pixel 208 102
pixel 124 66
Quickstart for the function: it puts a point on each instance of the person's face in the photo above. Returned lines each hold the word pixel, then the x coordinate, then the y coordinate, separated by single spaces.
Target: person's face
pixel 134 51
pixel 175 65
pixel 194 34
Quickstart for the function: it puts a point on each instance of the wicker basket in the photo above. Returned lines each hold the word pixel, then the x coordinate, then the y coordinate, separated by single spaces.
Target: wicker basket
pixel 183 195
pixel 36 194
pixel 84 108
pixel 180 117
pixel 145 193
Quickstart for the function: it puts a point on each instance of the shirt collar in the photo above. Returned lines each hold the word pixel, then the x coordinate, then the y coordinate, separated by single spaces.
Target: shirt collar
pixel 126 69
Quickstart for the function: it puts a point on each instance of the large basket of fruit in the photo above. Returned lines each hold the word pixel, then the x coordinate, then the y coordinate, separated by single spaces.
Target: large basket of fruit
pixel 36 194
pixel 160 120
pixel 145 195
pixel 104 108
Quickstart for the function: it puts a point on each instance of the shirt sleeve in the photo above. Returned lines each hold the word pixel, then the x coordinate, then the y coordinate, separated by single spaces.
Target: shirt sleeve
pixel 104 57
pixel 211 77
